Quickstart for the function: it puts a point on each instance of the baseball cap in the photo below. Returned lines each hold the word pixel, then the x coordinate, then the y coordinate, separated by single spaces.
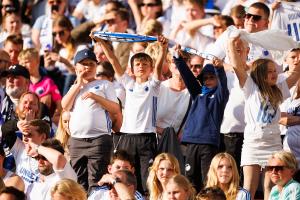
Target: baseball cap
pixel 16 70
pixel 84 54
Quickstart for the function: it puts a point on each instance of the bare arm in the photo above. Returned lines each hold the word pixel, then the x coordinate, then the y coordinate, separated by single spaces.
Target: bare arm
pixel 289 120
pixel 136 12
pixel 161 57
pixel 35 36
pixel 111 57
pixel 238 64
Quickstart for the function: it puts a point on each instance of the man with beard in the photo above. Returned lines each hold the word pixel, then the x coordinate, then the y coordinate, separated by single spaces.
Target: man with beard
pixel 52 165
pixel 17 83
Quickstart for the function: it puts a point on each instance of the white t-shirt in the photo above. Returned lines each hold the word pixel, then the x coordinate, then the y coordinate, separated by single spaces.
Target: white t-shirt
pixel 44 25
pixel 261 118
pixel 139 115
pixel 89 10
pixel 42 190
pixel 198 41
pixel 172 106
pixel 287 18
pixel 234 118
pixel 88 118
pixel 26 166
pixel 120 92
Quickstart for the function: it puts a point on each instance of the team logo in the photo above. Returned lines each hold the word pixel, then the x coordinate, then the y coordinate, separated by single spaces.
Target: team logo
pixel 187 167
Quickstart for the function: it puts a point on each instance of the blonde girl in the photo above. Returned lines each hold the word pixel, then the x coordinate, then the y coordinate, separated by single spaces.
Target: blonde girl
pixel 67 189
pixel 164 167
pixel 179 188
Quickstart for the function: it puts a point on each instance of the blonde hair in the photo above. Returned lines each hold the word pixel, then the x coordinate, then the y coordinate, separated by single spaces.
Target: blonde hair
pixel 182 182
pixel 69 189
pixel 61 133
pixel 259 73
pixel 212 179
pixel 287 157
pixel 152 27
pixel 30 53
pixel 154 185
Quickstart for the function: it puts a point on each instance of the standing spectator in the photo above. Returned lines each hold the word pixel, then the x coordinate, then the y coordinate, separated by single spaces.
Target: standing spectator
pixel 90 143
pixel 13 45
pixel 202 129
pixel 263 94
pixel 281 167
pixel 164 167
pixel 68 189
pixel 139 116
pixel 223 173
pixel 52 165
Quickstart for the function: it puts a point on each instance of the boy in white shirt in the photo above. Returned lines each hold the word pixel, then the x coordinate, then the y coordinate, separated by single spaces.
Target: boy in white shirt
pixel 139 115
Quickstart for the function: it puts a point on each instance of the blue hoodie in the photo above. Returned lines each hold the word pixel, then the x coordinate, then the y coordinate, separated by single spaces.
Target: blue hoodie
pixel 206 114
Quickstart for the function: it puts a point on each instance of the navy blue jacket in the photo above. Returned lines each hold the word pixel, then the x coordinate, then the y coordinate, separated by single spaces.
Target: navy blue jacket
pixel 206 113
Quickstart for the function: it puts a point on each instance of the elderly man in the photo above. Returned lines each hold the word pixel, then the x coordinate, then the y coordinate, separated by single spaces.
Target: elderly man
pixel 281 168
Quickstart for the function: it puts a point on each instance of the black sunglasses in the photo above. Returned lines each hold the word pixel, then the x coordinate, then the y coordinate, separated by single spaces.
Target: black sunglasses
pixel 148 4
pixel 60 33
pixel 197 66
pixel 276 168
pixel 254 17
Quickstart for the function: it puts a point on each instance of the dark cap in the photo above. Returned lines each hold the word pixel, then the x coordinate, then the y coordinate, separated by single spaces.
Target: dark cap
pixel 84 54
pixel 16 70
pixel 208 68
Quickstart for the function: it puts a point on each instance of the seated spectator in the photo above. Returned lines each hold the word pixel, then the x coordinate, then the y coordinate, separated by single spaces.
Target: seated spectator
pixel 223 173
pixel 179 187
pixel 13 45
pixel 43 86
pixel 122 184
pixel 120 160
pixel 68 189
pixel 27 167
pixel 163 168
pixel 211 193
pixel 52 165
pixel 11 193
pixel 9 177
pixel 281 167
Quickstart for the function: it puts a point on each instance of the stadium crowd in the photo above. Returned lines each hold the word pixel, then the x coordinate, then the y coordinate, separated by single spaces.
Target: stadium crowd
pixel 90 118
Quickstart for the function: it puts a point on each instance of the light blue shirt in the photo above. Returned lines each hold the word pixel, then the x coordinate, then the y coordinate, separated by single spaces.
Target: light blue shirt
pixel 291 191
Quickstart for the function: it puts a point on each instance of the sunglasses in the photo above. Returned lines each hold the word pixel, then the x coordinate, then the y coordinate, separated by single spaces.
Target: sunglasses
pixel 148 4
pixel 198 66
pixel 40 157
pixel 254 17
pixel 59 33
pixel 276 168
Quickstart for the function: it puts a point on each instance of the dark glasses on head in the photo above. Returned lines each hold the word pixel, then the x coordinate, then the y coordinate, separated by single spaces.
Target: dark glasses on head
pixel 40 157
pixel 59 33
pixel 196 66
pixel 254 17
pixel 148 4
pixel 276 168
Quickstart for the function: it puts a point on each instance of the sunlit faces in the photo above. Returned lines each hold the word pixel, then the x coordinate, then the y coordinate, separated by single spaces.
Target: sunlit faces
pixel 30 63
pixel 88 67
pixel 196 65
pixel 142 68
pixel 224 171
pixel 272 74
pixel 193 11
pixel 13 50
pixel 252 23
pixel 12 24
pixel 174 192
pixel 16 86
pixel 120 165
pixel 28 103
pixel 279 176
pixel 150 8
pixel 115 23
pixel 293 58
pixel 165 171
pixel 210 80
pixel 44 166
pixel 60 34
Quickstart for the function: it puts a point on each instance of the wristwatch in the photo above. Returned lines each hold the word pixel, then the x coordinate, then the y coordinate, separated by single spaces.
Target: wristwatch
pixel 116 180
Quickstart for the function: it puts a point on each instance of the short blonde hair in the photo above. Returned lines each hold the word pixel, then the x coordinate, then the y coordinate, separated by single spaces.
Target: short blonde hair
pixel 70 189
pixel 185 184
pixel 30 53
pixel 287 157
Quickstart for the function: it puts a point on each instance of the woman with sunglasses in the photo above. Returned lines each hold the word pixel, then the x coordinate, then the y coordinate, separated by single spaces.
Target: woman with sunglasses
pixel 281 167
pixel 63 51
pixel 263 94
pixel 223 173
